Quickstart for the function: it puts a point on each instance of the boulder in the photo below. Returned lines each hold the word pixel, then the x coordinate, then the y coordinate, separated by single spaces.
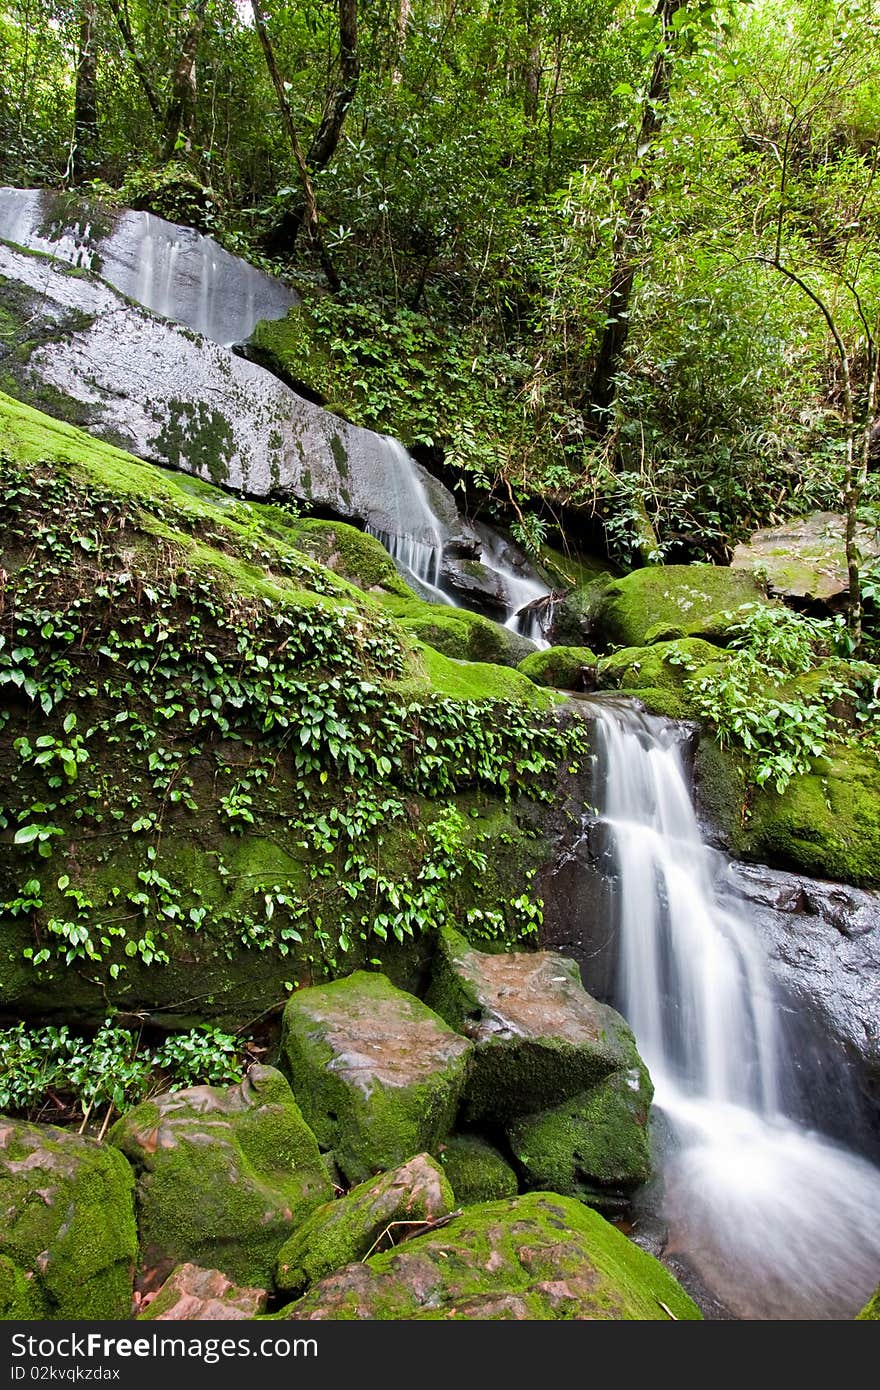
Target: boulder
pixel 379 1076
pixel 804 561
pixel 68 1241
pixel 84 353
pixel 457 632
pixel 562 668
pixel 191 1294
pixel 537 1034
pixel 349 1229
pixel 666 602
pixel 594 1146
pixel 223 1176
pixel 172 270
pixel 477 1171
pixel 539 1256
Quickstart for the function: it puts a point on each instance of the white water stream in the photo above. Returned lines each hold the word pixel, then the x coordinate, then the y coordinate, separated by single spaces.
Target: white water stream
pixel 778 1221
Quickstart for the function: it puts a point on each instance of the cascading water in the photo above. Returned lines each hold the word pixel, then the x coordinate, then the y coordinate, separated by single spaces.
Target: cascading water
pixel 521 589
pixel 416 542
pixel 778 1221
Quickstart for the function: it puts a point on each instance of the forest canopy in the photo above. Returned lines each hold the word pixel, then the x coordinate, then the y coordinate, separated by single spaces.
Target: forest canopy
pixel 609 264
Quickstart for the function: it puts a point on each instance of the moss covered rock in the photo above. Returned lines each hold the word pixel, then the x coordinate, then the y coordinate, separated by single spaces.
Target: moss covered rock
pixel 476 1169
pixel 564 668
pixel 594 1146
pixel 379 1076
pixel 537 1034
pixel 457 632
pixel 656 674
pixel 223 1176
pixel 540 1256
pixel 191 1294
pixel 871 1310
pixel 351 1228
pixel 67 1230
pixel 665 602
pixel 826 823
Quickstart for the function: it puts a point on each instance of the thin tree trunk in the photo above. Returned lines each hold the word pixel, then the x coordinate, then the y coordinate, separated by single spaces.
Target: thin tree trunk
pixel 181 106
pixel 136 61
pixel 326 137
pixel 628 238
pixel 85 100
pixel 312 218
pixel 404 8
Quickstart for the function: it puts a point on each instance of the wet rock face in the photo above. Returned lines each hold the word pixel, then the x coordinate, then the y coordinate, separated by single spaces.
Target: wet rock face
pixel 390 1205
pixel 804 561
pixel 223 1176
pixel 379 1076
pixel 174 271
pixel 823 944
pixel 67 1231
pixel 171 396
pixel 191 1294
pixel 539 1256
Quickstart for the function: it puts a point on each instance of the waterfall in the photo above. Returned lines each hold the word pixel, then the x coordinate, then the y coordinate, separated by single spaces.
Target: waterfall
pixel 416 541
pixel 777 1221
pixel 521 589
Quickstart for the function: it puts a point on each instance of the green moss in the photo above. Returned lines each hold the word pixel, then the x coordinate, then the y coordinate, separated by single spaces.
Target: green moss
pixel 378 1075
pixel 19 1293
pixel 561 668
pixel 656 603
pixel 197 435
pixel 871 1310
pixel 290 348
pixel 539 1256
pixel 826 823
pixel 476 1170
pixel 68 1223
pixel 234 1169
pixel 477 680
pixel 656 674
pixel 354 554
pixel 594 1146
pixel 354 1226
pixel 456 632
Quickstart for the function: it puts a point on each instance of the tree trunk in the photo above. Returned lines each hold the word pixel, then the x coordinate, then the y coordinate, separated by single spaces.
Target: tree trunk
pixel 310 214
pixel 627 240
pixel 143 78
pixel 181 106
pixel 85 100
pixel 404 8
pixel 283 237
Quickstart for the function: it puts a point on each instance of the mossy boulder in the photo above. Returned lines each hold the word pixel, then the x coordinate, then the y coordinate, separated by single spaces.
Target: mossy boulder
pixel 871 1310
pixel 192 1294
pixel 68 1240
pixel 594 1146
pixel 539 1256
pixel 352 1227
pixel 563 668
pixel 665 602
pixel 656 674
pixel 477 1170
pixel 805 559
pixel 826 823
pixel 378 1074
pixel 223 1176
pixel 537 1034
pixel 457 632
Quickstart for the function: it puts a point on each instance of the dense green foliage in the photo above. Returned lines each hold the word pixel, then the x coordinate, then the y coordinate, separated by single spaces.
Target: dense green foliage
pixel 476 201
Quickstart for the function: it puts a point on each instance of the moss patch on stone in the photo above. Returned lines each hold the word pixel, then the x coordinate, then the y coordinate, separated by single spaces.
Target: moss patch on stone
pixel 666 601
pixel 561 668
pixel 594 1146
pixel 871 1310
pixel 223 1174
pixel 378 1074
pixel 476 1169
pixel 539 1256
pixel 67 1238
pixel 457 632
pixel 826 823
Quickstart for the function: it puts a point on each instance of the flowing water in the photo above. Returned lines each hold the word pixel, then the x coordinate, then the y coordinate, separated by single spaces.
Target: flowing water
pixel 778 1221
pixel 417 538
